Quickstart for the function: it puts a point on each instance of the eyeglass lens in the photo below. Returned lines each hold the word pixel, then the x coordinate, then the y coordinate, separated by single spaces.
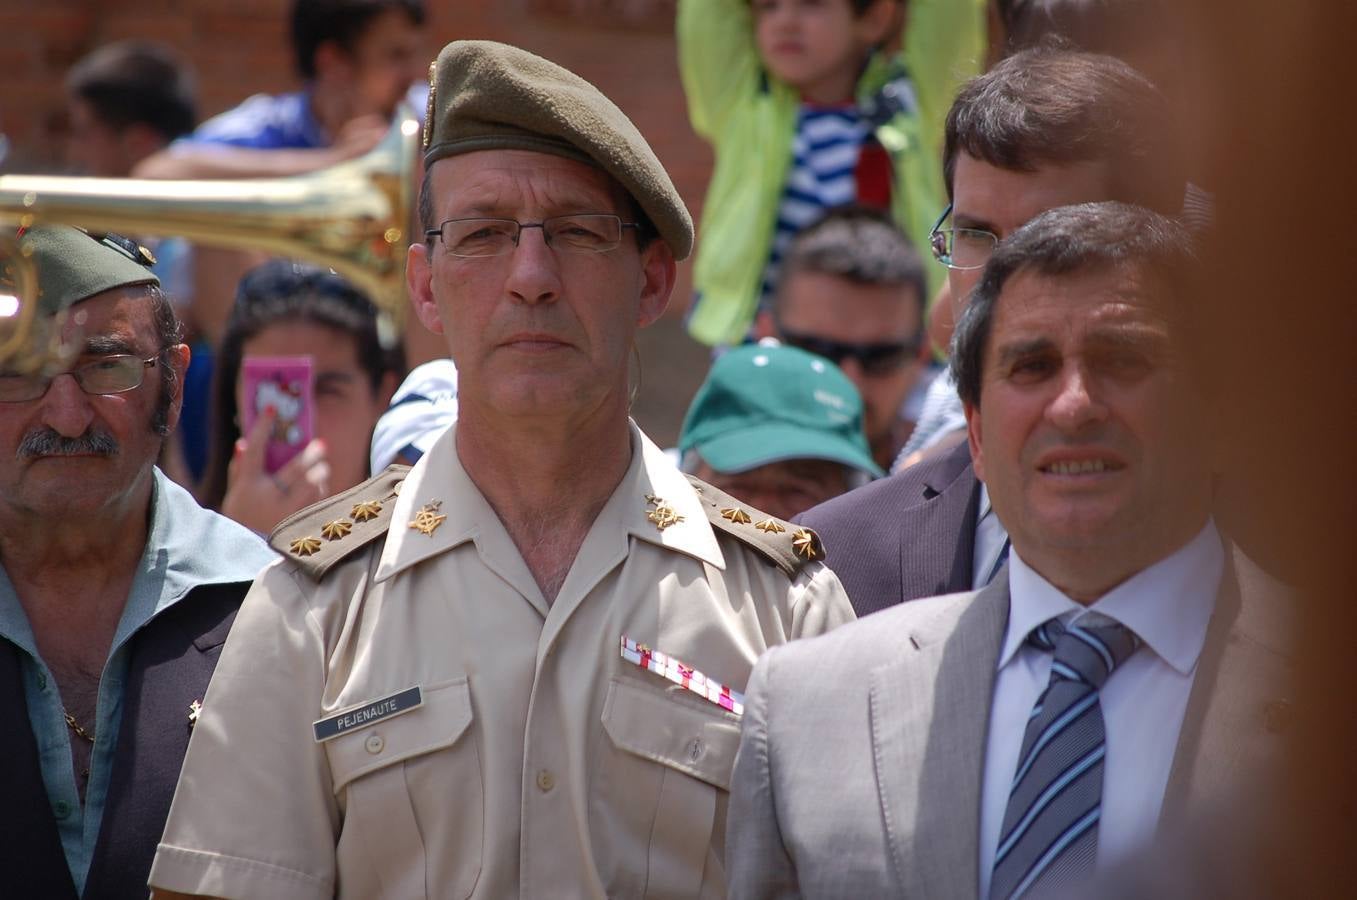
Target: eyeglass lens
pixel 109 375
pixel 585 233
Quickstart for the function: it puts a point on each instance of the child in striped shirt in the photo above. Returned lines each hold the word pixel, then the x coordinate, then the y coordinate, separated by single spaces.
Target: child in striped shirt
pixel 807 111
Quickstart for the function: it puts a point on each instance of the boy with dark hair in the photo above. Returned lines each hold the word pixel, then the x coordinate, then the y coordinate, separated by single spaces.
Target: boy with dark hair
pixel 808 108
pixel 126 100
pixel 358 59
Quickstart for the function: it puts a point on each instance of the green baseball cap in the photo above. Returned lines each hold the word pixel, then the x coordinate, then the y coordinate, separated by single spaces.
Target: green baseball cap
pixel 73 265
pixel 763 404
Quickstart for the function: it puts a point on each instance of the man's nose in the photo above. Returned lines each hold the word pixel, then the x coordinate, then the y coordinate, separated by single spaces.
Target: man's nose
pixel 534 272
pixel 66 407
pixel 1076 403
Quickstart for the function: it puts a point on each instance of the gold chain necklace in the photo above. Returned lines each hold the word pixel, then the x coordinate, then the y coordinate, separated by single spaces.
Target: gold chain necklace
pixel 75 726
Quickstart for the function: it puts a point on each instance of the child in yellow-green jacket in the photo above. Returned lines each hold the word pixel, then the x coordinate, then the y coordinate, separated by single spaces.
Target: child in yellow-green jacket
pixel 806 110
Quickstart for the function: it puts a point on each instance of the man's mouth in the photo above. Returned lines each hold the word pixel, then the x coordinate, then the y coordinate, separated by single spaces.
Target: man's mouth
pixel 1081 467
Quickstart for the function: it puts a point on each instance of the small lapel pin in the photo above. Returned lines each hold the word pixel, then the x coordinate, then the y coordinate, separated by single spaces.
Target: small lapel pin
pixel 195 709
pixel 663 515
pixel 333 531
pixel 305 546
pixel 427 520
pixel 736 515
pixel 366 511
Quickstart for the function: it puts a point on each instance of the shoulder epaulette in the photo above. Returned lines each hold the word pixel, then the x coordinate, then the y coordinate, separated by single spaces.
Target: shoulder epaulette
pixel 788 546
pixel 322 534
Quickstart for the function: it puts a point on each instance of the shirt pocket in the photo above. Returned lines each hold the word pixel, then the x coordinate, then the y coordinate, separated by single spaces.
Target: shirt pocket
pixel 665 782
pixel 410 787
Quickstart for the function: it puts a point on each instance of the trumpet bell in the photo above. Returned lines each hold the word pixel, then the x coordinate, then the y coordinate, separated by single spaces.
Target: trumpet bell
pixel 352 217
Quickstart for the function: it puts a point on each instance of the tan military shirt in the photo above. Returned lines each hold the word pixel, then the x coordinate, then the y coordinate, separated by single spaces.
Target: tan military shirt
pixel 539 762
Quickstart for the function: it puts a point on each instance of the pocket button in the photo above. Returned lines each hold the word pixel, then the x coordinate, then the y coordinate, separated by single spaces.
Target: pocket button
pixel 374 744
pixel 545 780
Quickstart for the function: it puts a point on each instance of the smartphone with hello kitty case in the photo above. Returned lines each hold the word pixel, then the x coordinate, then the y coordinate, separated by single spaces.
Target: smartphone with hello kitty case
pixel 285 383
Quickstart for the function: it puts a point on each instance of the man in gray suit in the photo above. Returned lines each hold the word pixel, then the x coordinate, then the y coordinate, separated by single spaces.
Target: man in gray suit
pixel 1002 742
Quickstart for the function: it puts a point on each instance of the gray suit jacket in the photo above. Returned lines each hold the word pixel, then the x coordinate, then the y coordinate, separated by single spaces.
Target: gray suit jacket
pixel 861 758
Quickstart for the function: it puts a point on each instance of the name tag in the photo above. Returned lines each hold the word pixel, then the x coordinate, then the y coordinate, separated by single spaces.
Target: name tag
pixel 359 716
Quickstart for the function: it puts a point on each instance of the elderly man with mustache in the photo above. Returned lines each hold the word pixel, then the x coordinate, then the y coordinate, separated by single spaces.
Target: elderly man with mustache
pixel 116 588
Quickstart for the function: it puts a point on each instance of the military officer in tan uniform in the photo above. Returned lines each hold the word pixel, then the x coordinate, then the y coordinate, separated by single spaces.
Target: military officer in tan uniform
pixel 514 670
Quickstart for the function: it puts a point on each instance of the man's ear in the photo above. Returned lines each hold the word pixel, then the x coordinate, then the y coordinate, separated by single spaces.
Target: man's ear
pixel 419 283
pixel 179 356
pixel 973 439
pixel 659 271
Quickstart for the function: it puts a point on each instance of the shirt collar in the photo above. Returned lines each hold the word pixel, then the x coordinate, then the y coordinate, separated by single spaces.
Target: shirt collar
pixel 174 561
pixel 439 477
pixel 1168 605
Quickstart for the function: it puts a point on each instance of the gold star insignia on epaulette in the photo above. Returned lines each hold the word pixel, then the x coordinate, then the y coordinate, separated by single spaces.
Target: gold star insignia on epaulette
pixel 427 520
pixel 195 709
pixel 304 546
pixel 663 515
pixel 803 542
pixel 772 526
pixel 366 510
pixel 736 515
pixel 333 531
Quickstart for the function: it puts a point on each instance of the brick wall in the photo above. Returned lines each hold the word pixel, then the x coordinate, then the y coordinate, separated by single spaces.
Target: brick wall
pixel 626 47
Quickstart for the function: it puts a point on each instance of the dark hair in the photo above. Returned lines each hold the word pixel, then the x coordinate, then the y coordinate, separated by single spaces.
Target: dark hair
pixel 1051 105
pixel 646 232
pixel 859 244
pixel 137 83
pixel 1061 241
pixel 284 291
pixel 314 22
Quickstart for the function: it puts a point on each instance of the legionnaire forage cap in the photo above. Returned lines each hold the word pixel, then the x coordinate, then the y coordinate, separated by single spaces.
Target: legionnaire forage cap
pixel 490 96
pixel 73 265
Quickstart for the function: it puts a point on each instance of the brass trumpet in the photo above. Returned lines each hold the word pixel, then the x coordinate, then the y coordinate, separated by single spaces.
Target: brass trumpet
pixel 351 217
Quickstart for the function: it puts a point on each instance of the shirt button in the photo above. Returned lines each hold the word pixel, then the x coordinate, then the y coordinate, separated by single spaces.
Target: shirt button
pixel 545 780
pixel 374 743
pixel 42 681
pixel 61 809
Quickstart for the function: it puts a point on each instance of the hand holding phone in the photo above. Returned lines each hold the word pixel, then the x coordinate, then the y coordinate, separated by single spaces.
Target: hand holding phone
pixel 285 385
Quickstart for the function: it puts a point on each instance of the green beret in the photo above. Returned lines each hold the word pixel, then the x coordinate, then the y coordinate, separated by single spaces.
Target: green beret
pixel 73 265
pixel 490 96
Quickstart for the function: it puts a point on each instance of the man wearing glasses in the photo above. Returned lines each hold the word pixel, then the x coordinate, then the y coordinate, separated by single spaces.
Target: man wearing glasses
pixel 116 588
pixel 852 291
pixel 515 670
pixel 1042 129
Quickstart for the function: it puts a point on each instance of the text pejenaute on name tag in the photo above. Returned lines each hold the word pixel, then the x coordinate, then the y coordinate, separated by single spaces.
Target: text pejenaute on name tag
pixel 367 713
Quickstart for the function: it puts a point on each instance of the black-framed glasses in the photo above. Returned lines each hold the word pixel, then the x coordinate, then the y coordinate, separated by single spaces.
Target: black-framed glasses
pixel 961 248
pixel 114 374
pixel 581 233
pixel 875 359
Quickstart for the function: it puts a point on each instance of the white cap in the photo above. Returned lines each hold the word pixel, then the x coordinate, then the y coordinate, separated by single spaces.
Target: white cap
pixel 421 410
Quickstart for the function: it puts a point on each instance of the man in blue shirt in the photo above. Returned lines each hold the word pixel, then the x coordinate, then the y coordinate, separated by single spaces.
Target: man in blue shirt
pixel 116 588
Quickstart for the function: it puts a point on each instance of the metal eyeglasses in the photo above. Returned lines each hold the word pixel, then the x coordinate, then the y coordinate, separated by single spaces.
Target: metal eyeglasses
pixel 961 248
pixel 114 374
pixel 581 233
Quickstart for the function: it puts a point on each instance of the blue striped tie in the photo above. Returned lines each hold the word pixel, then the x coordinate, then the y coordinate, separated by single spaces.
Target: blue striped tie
pixel 1050 832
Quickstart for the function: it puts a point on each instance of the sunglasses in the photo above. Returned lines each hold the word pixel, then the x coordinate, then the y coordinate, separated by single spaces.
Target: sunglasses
pixel 875 359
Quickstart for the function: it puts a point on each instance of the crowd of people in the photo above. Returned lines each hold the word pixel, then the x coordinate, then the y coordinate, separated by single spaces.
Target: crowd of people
pixel 931 599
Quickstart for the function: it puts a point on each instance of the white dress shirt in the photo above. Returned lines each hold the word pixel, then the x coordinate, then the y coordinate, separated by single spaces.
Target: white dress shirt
pixel 1168 605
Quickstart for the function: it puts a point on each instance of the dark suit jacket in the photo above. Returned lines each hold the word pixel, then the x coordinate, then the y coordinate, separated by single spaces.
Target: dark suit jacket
pixel 172 658
pixel 904 537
